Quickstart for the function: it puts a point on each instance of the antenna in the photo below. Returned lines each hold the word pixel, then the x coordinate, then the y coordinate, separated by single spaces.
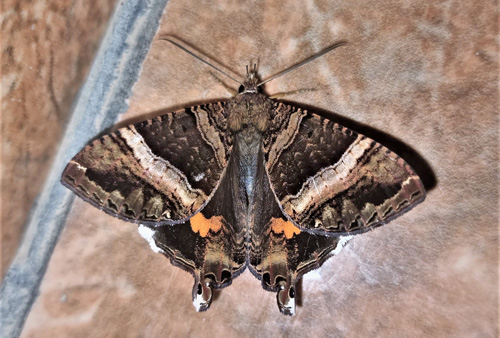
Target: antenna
pixel 199 58
pixel 324 51
pixel 339 44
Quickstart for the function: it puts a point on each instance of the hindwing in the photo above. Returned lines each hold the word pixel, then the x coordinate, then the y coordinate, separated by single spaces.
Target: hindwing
pixel 162 170
pixel 329 178
pixel 211 244
pixel 280 253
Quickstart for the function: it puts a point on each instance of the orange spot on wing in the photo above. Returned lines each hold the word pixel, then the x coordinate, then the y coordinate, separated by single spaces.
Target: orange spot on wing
pixel 203 225
pixel 279 225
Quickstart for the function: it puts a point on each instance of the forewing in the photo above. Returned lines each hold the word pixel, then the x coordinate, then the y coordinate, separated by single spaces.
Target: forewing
pixel 329 178
pixel 162 170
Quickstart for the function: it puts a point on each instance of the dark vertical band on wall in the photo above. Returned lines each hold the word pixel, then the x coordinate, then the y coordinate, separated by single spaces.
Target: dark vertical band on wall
pixel 98 106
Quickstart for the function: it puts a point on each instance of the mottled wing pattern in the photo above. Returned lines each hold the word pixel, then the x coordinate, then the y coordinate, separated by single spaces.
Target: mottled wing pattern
pixel 340 181
pixel 162 170
pixel 210 245
pixel 279 252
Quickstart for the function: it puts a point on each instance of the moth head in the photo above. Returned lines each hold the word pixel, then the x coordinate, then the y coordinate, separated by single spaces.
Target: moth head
pixel 251 83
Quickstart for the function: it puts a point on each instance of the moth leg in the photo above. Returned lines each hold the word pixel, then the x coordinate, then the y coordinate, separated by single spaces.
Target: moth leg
pixel 286 296
pixel 202 294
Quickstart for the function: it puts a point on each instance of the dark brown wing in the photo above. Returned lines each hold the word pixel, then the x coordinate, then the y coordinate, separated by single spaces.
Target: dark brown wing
pixel 210 245
pixel 162 170
pixel 280 253
pixel 329 178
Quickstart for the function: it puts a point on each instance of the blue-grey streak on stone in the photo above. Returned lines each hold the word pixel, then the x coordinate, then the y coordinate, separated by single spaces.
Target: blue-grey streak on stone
pixel 100 102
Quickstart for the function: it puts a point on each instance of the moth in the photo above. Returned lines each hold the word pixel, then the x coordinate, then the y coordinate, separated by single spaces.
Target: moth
pixel 248 182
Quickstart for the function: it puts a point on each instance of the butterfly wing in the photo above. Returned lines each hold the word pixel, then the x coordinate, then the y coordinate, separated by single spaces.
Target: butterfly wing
pixel 329 178
pixel 162 170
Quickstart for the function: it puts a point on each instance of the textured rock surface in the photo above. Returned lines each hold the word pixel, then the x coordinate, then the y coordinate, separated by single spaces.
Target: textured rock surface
pixel 421 78
pixel 47 49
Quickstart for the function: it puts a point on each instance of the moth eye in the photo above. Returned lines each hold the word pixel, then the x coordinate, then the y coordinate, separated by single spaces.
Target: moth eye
pixel 291 293
pixel 241 89
pixel 199 291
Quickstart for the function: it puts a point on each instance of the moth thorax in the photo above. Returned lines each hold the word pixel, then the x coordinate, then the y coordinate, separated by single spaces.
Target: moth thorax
pixel 249 110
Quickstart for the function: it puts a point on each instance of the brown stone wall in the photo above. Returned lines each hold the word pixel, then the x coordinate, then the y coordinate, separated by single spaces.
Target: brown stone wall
pixel 47 49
